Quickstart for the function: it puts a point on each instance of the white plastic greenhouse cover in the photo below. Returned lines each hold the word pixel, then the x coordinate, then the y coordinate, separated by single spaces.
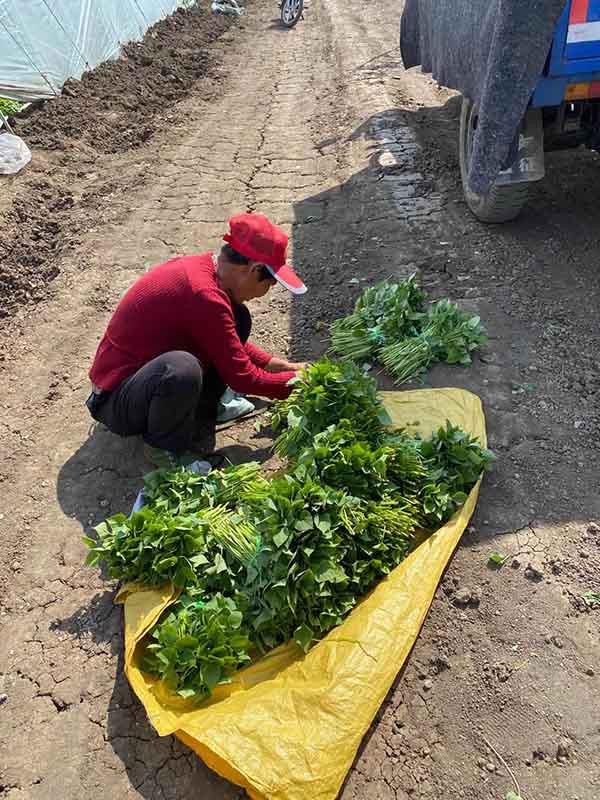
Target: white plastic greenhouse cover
pixel 44 42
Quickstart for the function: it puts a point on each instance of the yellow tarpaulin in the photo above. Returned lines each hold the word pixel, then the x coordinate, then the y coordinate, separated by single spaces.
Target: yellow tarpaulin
pixel 289 726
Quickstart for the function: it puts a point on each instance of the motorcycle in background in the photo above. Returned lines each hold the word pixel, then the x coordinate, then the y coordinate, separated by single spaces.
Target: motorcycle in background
pixel 291 12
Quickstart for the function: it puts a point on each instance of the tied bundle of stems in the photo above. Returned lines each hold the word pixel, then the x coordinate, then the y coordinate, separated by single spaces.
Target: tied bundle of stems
pixel 231 483
pixel 384 312
pixel 237 535
pixel 350 338
pixel 196 645
pixel 9 107
pixel 389 323
pixel 450 336
pixel 326 393
pixel 406 359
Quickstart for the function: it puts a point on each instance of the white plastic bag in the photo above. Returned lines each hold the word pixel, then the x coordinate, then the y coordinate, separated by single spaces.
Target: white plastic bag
pixel 14 154
pixel 230 7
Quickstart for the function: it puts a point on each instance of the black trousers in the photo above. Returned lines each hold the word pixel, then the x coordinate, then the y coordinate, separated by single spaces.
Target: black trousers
pixel 167 399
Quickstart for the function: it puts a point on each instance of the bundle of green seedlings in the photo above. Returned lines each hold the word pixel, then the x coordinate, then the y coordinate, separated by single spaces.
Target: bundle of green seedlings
pixel 392 324
pixel 262 561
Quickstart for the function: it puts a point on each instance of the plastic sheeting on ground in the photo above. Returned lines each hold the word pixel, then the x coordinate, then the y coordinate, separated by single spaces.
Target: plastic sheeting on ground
pixel 288 727
pixel 44 42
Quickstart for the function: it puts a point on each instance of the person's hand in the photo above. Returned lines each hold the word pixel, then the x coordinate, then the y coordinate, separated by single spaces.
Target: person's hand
pixel 281 365
pixel 298 366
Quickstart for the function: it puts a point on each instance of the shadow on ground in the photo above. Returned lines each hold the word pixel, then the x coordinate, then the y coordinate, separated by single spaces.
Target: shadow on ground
pixel 105 474
pixel 100 620
pixel 102 477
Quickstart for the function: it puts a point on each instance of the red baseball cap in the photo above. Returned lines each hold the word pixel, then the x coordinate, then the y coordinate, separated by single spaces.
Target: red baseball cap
pixel 255 237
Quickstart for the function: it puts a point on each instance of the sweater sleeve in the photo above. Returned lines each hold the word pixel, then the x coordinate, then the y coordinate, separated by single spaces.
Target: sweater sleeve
pixel 256 355
pixel 217 337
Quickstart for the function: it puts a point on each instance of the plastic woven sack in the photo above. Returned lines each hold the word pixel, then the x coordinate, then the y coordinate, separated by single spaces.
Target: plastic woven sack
pixel 288 727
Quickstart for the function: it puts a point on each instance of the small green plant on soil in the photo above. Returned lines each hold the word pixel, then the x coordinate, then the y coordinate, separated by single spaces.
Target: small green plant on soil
pixel 592 599
pixel 496 560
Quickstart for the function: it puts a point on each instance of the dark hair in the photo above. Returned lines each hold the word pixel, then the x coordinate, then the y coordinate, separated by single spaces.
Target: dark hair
pixel 232 255
pixel 237 258
pixel 266 274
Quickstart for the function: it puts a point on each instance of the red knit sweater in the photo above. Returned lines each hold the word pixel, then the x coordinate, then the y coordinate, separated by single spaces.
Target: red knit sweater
pixel 180 306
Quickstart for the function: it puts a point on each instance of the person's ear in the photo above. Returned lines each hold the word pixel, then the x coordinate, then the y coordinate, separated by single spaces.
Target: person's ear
pixel 255 268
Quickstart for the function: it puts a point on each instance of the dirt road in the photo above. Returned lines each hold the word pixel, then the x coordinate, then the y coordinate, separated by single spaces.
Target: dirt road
pixel 322 129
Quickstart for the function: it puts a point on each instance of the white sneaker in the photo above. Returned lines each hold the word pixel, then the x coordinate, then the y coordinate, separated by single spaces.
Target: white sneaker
pixel 232 406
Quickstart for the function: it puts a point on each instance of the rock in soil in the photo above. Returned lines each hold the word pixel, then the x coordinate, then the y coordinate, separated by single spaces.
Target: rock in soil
pixel 466 597
pixel 563 751
pixel 534 571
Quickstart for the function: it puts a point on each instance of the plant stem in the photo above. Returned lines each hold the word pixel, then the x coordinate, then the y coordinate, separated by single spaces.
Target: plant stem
pixel 508 769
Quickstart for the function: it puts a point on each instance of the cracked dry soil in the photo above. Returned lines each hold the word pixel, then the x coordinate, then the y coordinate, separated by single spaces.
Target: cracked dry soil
pixel 322 129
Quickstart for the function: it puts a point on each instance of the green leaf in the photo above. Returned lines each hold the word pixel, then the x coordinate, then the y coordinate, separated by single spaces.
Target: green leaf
pixel 294 419
pixel 280 538
pixel 212 675
pixel 188 641
pixel 512 796
pixel 303 637
pixel 592 599
pixel 324 525
pixel 384 417
pixel 170 633
pixel 165 563
pixel 235 619
pixel 220 563
pixel 92 559
pixel 496 559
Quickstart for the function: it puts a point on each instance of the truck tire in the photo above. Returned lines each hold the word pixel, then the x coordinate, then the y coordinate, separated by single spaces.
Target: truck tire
pixel 503 203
